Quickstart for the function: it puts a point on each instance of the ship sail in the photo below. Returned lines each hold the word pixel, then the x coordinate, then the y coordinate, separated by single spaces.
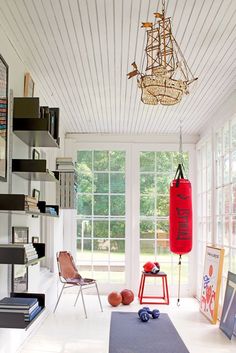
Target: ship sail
pixel 167 74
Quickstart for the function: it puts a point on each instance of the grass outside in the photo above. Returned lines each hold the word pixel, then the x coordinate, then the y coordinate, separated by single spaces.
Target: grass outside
pixel 97 264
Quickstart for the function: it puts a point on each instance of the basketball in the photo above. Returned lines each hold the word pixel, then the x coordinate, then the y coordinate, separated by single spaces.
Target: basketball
pixel 114 298
pixel 127 296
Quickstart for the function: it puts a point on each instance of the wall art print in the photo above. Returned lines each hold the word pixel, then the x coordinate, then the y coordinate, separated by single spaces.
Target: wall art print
pixel 3 118
pixel 211 282
pixel 228 317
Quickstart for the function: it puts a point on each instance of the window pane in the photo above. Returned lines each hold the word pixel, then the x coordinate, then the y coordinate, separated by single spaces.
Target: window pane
pixel 101 160
pixel 233 237
pixel 117 246
pixel 101 182
pixel 177 159
pixel 84 204
pixel 147 183
pixel 226 200
pixel 226 138
pixel 233 261
pixel 117 229
pixel 84 247
pixel 85 158
pixel 85 183
pixel 101 205
pixel 84 228
pixel 162 230
pixel 164 162
pixel 233 167
pixel 226 169
pixel 233 135
pixel 234 198
pixel 147 229
pixel 147 248
pixel 100 229
pixel 163 205
pixel 146 161
pixel 147 206
pixel 117 161
pixel 117 183
pixel 163 184
pixel 117 204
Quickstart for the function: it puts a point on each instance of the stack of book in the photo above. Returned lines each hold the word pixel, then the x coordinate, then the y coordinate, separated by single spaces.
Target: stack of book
pixel 65 164
pixel 52 116
pixel 30 252
pixel 27 306
pixel 31 204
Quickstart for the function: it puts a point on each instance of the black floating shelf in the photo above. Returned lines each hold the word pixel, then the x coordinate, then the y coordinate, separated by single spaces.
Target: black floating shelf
pixel 15 255
pixel 46 209
pixel 34 132
pixel 17 320
pixel 15 203
pixel 32 169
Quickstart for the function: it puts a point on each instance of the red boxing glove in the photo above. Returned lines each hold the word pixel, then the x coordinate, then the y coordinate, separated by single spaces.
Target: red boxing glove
pixel 152 267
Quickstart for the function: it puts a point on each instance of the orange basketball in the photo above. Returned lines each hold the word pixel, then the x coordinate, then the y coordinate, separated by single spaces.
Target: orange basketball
pixel 127 296
pixel 114 298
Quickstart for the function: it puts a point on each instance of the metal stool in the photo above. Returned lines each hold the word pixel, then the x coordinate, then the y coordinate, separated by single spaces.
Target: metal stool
pixel 163 299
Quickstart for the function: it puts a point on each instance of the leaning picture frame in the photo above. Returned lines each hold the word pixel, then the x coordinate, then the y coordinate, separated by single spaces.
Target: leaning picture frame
pixel 36 194
pixel 19 272
pixel 28 86
pixel 228 316
pixel 19 278
pixel 20 235
pixel 3 118
pixel 211 282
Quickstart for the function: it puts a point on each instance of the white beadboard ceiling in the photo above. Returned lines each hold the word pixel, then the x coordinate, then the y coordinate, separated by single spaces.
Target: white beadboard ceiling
pixel 79 52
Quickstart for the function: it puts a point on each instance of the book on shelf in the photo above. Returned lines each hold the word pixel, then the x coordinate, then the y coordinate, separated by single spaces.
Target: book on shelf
pixel 24 310
pixel 17 302
pixel 31 316
pixel 16 245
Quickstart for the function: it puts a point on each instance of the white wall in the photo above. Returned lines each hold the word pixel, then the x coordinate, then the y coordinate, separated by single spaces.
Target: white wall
pixel 49 230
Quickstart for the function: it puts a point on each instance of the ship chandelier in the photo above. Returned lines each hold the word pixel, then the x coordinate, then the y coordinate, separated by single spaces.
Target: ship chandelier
pixel 167 76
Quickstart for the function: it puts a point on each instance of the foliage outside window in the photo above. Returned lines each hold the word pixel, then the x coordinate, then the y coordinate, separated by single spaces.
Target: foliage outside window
pixel 157 169
pixel 101 214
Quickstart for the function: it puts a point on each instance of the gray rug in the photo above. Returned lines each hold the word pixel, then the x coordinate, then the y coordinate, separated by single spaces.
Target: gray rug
pixel 128 334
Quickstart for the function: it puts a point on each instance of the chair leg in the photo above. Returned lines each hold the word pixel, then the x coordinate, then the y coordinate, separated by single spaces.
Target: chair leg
pixel 77 296
pixel 99 296
pixel 82 295
pixel 59 297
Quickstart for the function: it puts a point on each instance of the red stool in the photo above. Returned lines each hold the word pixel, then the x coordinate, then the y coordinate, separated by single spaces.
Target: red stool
pixel 163 299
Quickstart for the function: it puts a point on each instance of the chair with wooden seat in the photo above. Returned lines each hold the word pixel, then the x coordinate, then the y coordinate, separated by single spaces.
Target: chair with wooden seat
pixel 70 277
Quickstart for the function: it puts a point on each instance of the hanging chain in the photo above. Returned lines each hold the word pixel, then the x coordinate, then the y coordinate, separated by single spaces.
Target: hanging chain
pixel 181 159
pixel 178 300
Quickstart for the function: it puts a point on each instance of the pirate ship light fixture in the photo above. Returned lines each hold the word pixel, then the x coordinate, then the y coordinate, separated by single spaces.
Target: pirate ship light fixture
pixel 167 76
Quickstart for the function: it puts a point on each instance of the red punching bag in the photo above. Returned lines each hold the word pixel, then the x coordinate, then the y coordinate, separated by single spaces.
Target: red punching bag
pixel 180 221
pixel 180 214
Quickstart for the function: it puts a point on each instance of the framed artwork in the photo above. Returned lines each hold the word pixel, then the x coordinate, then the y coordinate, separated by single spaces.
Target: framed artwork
pixel 36 194
pixel 19 278
pixel 36 154
pixel 35 239
pixel 3 118
pixel 28 86
pixel 228 317
pixel 211 281
pixel 20 234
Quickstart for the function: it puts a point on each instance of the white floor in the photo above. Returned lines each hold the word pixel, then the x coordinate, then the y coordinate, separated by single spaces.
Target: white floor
pixel 67 331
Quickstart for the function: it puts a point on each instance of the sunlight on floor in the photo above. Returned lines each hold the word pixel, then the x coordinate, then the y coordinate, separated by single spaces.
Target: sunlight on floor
pixel 67 331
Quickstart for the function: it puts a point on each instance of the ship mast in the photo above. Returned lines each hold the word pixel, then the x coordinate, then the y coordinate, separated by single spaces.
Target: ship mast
pixel 164 35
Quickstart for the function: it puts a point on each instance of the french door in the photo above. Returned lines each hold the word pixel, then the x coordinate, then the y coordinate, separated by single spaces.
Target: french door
pixel 123 212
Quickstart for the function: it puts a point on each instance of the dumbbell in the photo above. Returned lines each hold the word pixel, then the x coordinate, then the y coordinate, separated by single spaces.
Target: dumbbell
pixel 155 313
pixel 145 312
